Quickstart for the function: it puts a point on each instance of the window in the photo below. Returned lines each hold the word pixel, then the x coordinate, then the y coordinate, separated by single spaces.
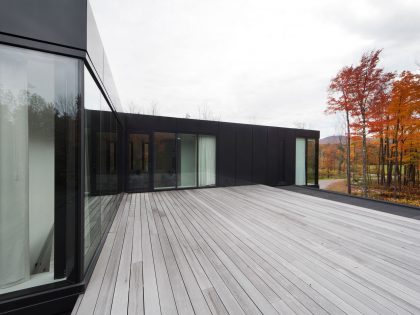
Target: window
pixel 165 160
pixel 92 193
pixel 206 160
pixel 138 161
pixel 305 162
pixel 310 162
pixel 181 160
pixel 300 178
pixel 39 103
pixel 187 161
pixel 101 167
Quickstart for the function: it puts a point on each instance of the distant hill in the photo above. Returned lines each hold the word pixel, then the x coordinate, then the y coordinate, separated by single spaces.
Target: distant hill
pixel 332 140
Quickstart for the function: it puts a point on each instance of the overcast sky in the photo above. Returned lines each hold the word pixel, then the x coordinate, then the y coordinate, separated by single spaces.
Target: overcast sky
pixel 252 61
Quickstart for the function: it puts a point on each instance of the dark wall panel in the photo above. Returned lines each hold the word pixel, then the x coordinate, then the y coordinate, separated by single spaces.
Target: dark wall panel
pixel 208 127
pixel 246 154
pixel 226 160
pixel 164 124
pixel 60 22
pixel 259 152
pixel 289 156
pixel 184 125
pixel 139 123
pixel 274 161
pixel 281 177
pixel 243 154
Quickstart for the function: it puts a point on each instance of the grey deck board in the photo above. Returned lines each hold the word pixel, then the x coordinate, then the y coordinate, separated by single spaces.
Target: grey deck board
pixel 106 294
pixel 150 290
pixel 180 294
pixel 202 271
pixel 135 298
pixel 253 250
pixel 166 296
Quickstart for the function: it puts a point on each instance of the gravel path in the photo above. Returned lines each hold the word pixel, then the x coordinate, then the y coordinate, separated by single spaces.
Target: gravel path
pixel 324 183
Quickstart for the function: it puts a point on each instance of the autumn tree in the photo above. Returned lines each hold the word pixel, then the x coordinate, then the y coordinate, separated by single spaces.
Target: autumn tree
pixel 328 158
pixel 383 126
pixel 340 98
pixel 369 83
pixel 379 127
pixel 404 116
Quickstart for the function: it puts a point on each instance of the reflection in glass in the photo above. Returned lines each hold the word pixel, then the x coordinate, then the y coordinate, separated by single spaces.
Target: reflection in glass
pixel 92 199
pixel 107 175
pixel 206 160
pixel 138 161
pixel 106 154
pixel 164 160
pixel 187 161
pixel 101 167
pixel 300 176
pixel 39 101
pixel 310 162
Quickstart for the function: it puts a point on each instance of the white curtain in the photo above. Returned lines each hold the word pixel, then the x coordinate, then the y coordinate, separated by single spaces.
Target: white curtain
pixel 300 178
pixel 206 160
pixel 14 172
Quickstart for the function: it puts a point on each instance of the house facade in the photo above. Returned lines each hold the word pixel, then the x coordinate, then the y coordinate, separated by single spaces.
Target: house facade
pixel 68 153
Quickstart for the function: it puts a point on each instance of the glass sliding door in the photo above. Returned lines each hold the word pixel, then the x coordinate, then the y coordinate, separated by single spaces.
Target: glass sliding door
pixel 310 162
pixel 206 160
pixel 187 160
pixel 138 162
pixel 300 175
pixel 183 160
pixel 164 160
pixel 39 105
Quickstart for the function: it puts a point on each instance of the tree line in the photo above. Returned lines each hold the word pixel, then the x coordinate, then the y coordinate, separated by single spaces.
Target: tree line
pixel 382 118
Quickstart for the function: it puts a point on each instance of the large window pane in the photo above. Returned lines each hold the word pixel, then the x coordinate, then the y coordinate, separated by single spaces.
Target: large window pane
pixel 164 160
pixel 107 176
pixel 187 162
pixel 92 193
pixel 206 160
pixel 310 162
pixel 39 101
pixel 138 161
pixel 300 177
pixel 101 167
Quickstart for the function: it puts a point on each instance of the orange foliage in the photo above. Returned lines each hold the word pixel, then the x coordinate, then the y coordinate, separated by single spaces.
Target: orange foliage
pixel 383 122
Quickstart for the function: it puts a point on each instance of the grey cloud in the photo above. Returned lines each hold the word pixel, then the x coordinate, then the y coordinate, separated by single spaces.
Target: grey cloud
pixel 394 22
pixel 259 61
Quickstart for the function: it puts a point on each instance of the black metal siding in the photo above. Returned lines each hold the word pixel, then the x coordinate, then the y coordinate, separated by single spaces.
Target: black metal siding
pixel 289 140
pixel 246 154
pixel 259 153
pixel 226 155
pixel 243 154
pixel 274 160
pixel 61 22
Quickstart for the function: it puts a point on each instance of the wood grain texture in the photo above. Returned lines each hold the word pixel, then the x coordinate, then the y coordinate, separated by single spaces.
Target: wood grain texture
pixel 254 250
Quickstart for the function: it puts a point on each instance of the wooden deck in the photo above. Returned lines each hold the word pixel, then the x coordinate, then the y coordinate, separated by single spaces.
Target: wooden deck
pixel 254 250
